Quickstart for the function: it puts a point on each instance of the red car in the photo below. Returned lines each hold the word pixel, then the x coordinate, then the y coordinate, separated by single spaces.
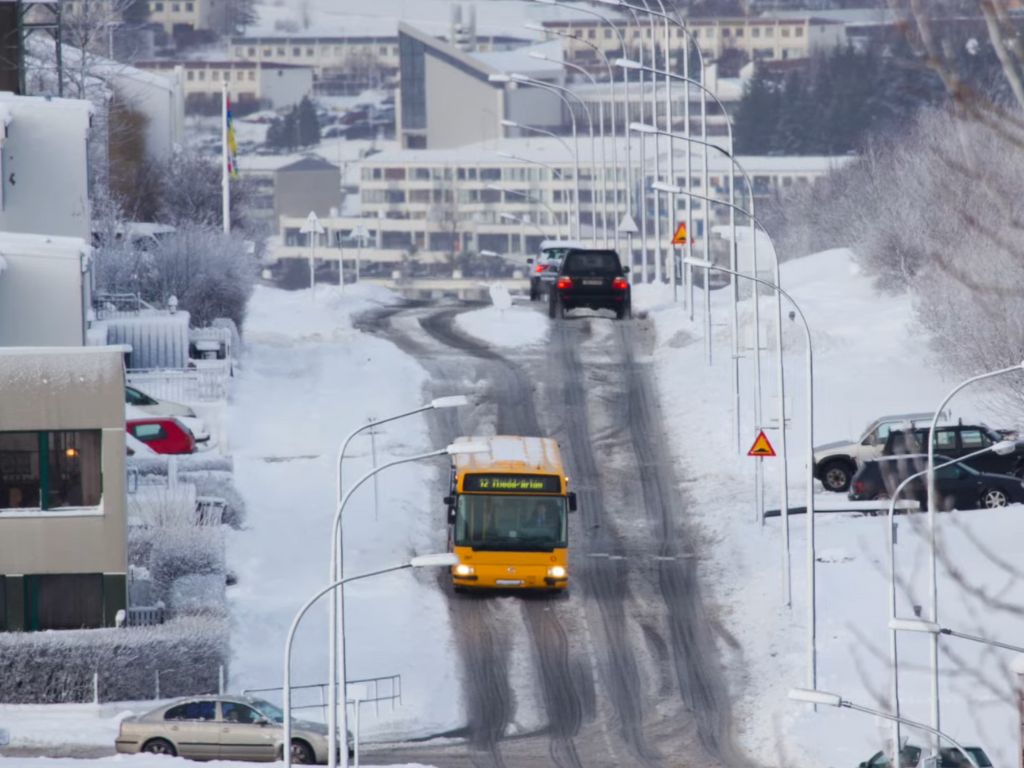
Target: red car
pixel 164 434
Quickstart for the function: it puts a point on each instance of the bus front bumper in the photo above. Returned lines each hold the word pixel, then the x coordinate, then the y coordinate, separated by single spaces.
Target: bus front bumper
pixel 511 577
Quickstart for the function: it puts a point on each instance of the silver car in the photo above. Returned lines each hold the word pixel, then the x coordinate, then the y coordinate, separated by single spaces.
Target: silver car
pixel 222 728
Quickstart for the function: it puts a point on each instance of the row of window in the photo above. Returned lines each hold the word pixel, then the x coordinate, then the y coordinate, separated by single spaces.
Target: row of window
pixel 756 30
pixel 173 7
pixel 309 51
pixel 215 74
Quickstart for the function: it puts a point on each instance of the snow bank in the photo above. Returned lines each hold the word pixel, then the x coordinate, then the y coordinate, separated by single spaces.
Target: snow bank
pixel 518 326
pixel 870 359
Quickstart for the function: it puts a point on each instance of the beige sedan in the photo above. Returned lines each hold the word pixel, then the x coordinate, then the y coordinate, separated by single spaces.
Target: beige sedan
pixel 221 728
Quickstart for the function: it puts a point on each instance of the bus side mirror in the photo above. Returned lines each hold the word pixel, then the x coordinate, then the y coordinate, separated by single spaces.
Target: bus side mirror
pixel 449 501
pixel 572 501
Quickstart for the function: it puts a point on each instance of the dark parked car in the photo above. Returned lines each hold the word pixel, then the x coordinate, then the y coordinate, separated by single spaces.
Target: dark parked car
pixel 545 270
pixel 956 440
pixel 959 486
pixel 594 279
pixel 949 757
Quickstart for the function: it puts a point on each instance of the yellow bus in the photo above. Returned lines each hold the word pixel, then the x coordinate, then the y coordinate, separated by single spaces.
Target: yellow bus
pixel 508 515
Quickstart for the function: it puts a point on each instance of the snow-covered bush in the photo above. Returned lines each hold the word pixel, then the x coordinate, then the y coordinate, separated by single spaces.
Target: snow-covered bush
pixel 185 551
pixel 221 484
pixel 54 667
pixel 190 462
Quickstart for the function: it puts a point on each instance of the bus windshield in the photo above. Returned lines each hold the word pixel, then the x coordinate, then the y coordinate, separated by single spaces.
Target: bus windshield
pixel 511 523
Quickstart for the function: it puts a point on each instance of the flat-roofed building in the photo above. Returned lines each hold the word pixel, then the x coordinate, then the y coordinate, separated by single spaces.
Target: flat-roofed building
pixel 250 84
pixel 63 551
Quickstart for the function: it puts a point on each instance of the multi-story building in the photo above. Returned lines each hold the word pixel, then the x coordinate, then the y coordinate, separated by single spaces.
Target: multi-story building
pixel 250 83
pixel 178 14
pixel 441 202
pixel 63 552
pixel 759 38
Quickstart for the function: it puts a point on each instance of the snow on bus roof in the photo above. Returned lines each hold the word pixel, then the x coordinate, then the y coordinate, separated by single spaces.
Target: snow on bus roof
pixel 540 453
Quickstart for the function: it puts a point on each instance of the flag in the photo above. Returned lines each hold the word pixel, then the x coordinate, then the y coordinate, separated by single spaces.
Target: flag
pixel 232 143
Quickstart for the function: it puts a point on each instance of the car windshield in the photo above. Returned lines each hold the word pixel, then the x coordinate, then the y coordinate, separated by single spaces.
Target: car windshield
pixel 510 523
pixel 979 757
pixel 592 262
pixel 268 710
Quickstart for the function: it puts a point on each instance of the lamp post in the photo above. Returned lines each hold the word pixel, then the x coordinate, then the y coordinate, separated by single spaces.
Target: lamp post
pixel 781 383
pixel 525 196
pixel 931 628
pixel 337 572
pixel 812 650
pixel 556 172
pixel 934 571
pixel 625 87
pixel 563 93
pixel 812 696
pixel 503 78
pixel 604 153
pixel 338 606
pixel 445 559
pixel 1003 448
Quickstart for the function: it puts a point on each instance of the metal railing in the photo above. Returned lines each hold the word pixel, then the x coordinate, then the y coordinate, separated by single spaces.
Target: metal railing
pixel 206 383
pixel 113 305
pixel 379 691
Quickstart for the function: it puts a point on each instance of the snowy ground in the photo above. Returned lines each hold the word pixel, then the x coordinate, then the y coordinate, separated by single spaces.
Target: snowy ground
pixel 519 325
pixel 870 360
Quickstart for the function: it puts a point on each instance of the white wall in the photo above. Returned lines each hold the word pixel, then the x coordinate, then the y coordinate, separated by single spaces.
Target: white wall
pixel 161 99
pixel 285 86
pixel 42 291
pixel 44 167
pixel 461 108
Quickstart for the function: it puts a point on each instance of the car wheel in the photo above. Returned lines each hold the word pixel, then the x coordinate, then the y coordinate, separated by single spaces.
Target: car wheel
pixel 993 498
pixel 534 290
pixel 836 476
pixel 553 306
pixel 302 753
pixel 159 747
pixel 881 496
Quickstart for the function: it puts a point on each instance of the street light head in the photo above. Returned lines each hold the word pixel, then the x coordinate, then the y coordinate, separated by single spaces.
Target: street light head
pixel 815 697
pixel 1004 447
pixel 508 216
pixel 489 254
pixel 538 55
pixel 628 64
pixel 510 123
pixel 609 2
pixel 642 128
pixel 518 77
pixel 661 186
pixel 914 625
pixel 536 27
pixel 451 401
pixel 439 560
pixel 459 449
pixel 507 155
pixel 693 261
pixel 546 2
pixel 499 77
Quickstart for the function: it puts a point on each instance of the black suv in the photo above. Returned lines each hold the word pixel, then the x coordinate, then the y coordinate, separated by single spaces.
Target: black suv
pixel 594 279
pixel 956 440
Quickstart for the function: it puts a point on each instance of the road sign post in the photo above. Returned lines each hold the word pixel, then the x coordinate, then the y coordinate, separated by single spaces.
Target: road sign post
pixel 313 228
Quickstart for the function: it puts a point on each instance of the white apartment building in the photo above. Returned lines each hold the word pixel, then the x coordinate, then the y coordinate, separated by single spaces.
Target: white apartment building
pixel 442 201
pixel 249 82
pixel 769 39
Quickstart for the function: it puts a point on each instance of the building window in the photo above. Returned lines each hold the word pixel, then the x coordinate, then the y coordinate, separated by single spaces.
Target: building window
pixel 725 32
pixel 215 74
pixel 268 51
pixel 252 74
pixel 50 470
pixel 202 74
pixel 394 174
pixel 190 7
pixel 251 51
pixel 296 51
pixel 490 174
pixel 607 33
pixel 591 33
pixel 190 75
pixel 785 31
pixel 412 73
pixel 383 50
pixel 159 6
pixel 755 32
pixel 280 50
pixel 770 32
pixel 311 52
pixel 421 174
pixel 798 32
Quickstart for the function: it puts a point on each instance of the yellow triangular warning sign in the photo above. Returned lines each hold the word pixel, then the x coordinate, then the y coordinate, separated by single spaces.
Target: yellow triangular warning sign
pixel 762 446
pixel 679 238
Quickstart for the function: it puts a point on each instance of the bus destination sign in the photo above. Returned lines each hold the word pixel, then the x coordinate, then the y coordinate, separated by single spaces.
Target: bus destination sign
pixel 509 483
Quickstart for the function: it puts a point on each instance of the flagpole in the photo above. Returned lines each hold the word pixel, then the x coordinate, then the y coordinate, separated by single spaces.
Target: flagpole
pixel 224 163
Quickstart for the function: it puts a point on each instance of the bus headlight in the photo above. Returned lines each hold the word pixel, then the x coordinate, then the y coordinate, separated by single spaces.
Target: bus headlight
pixel 463 570
pixel 557 572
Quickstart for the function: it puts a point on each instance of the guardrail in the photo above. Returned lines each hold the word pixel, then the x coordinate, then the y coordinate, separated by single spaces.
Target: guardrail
pixel 873 507
pixel 207 383
pixel 377 690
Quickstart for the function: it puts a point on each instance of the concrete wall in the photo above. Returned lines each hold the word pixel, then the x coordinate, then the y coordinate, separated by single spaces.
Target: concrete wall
pixel 461 108
pixel 296 193
pixel 542 108
pixel 42 291
pixel 44 167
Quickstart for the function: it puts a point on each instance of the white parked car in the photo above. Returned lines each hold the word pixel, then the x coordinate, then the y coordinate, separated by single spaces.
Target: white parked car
pixel 835 463
pixel 150 405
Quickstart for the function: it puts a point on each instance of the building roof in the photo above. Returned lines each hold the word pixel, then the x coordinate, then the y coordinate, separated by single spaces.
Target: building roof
pixel 520 59
pixel 218 64
pixel 51 246
pixel 848 16
pixel 310 163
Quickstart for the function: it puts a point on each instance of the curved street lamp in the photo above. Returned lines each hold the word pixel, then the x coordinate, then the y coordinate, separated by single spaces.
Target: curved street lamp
pixel 445 559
